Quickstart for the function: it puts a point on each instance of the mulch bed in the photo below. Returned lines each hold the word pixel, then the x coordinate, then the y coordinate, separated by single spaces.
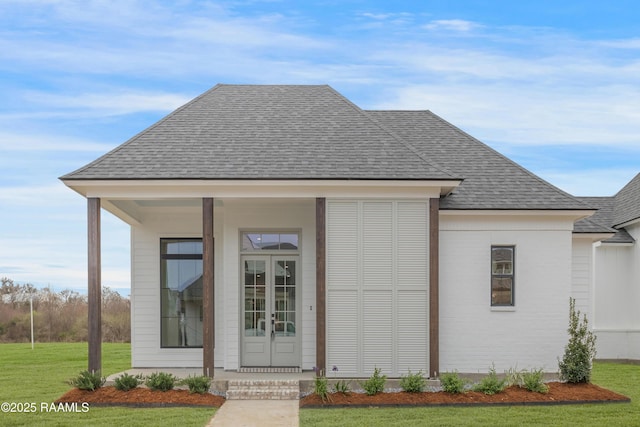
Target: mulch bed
pixel 559 393
pixel 141 397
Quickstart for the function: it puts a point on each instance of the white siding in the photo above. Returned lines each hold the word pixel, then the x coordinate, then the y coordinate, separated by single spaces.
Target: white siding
pixel 613 295
pixel 269 215
pixel 229 219
pixel 582 275
pixel 473 336
pixel 145 290
pixel 377 286
pixel 616 316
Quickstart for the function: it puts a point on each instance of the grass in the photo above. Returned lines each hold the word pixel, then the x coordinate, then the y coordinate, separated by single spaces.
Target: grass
pixel 41 375
pixel 622 378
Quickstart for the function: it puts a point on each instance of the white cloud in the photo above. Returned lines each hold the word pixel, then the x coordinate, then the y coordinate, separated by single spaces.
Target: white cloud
pixel 105 104
pixel 34 141
pixel 632 43
pixel 456 25
pixel 535 115
pixel 590 182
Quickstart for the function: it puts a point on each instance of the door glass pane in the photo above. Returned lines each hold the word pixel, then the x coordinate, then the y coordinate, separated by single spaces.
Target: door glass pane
pixel 285 298
pixel 254 298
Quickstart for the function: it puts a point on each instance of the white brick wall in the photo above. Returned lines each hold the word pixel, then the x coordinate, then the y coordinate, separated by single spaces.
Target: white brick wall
pixel 473 336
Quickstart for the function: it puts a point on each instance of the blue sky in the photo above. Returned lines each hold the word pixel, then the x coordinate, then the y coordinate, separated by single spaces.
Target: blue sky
pixel 553 85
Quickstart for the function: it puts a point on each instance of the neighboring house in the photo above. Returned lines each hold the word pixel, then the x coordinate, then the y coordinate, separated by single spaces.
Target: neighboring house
pixel 610 292
pixel 283 226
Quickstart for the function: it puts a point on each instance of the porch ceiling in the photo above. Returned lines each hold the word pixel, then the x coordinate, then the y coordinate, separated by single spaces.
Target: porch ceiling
pixel 130 210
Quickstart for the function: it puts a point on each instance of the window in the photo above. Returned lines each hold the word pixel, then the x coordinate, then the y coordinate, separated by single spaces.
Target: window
pixel 181 292
pixel 502 275
pixel 269 241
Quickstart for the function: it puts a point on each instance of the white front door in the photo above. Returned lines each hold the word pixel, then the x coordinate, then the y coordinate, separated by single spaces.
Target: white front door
pixel 270 295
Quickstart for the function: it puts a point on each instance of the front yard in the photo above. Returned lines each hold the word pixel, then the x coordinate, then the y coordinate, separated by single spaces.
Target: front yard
pixel 39 376
pixel 624 379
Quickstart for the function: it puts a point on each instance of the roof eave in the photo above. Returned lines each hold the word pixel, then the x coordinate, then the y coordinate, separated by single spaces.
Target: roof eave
pixel 188 188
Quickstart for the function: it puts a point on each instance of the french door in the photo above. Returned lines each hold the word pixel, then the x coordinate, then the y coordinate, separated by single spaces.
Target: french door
pixel 270 322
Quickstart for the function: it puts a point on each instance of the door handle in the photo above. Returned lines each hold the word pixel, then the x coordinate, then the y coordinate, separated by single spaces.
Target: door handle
pixel 273 326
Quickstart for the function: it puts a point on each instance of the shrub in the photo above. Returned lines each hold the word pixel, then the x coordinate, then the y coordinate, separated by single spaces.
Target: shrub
pixel 534 381
pixel 341 386
pixel 375 383
pixel 513 377
pixel 452 383
pixel 198 384
pixel 491 384
pixel 161 381
pixel 88 380
pixel 413 383
pixel 575 366
pixel 126 382
pixel 321 386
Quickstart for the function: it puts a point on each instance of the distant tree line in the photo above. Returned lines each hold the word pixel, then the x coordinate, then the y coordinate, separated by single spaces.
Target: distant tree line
pixel 59 316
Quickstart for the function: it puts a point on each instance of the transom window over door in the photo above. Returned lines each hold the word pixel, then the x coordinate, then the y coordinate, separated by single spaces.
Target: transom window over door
pixel 181 292
pixel 502 275
pixel 257 241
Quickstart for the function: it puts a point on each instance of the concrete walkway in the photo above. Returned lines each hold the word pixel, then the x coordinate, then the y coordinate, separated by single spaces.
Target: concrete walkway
pixel 264 413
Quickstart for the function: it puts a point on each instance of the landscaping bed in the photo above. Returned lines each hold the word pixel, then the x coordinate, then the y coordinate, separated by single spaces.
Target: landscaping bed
pixel 141 396
pixel 559 393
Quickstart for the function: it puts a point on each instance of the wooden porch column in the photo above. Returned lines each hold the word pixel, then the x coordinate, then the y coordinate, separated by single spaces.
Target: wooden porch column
pixel 94 285
pixel 321 310
pixel 434 277
pixel 208 306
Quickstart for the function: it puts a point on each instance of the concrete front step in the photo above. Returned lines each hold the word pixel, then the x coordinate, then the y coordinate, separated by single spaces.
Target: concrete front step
pixel 263 390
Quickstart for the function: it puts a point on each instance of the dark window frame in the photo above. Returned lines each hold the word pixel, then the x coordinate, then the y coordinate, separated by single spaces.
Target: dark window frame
pixel 165 257
pixel 511 275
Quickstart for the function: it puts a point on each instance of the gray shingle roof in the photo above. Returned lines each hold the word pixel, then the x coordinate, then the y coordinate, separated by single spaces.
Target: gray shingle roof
pixel 627 202
pixel 613 211
pixel 599 222
pixel 264 132
pixel 313 132
pixel 491 181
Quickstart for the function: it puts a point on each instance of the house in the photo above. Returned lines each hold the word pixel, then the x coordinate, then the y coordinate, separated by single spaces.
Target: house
pixel 285 227
pixel 609 293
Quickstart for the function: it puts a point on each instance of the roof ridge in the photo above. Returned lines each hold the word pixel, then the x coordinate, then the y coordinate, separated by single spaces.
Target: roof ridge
pixel 520 167
pixel 409 146
pixel 391 133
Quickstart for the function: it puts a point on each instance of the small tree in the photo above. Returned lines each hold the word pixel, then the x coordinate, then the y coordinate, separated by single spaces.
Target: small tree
pixel 575 366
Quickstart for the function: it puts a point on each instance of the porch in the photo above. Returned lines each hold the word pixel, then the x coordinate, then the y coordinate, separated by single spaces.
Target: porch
pixel 385 275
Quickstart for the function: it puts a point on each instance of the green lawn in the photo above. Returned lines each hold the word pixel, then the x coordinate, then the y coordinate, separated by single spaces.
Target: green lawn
pixel 40 375
pixel 624 379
